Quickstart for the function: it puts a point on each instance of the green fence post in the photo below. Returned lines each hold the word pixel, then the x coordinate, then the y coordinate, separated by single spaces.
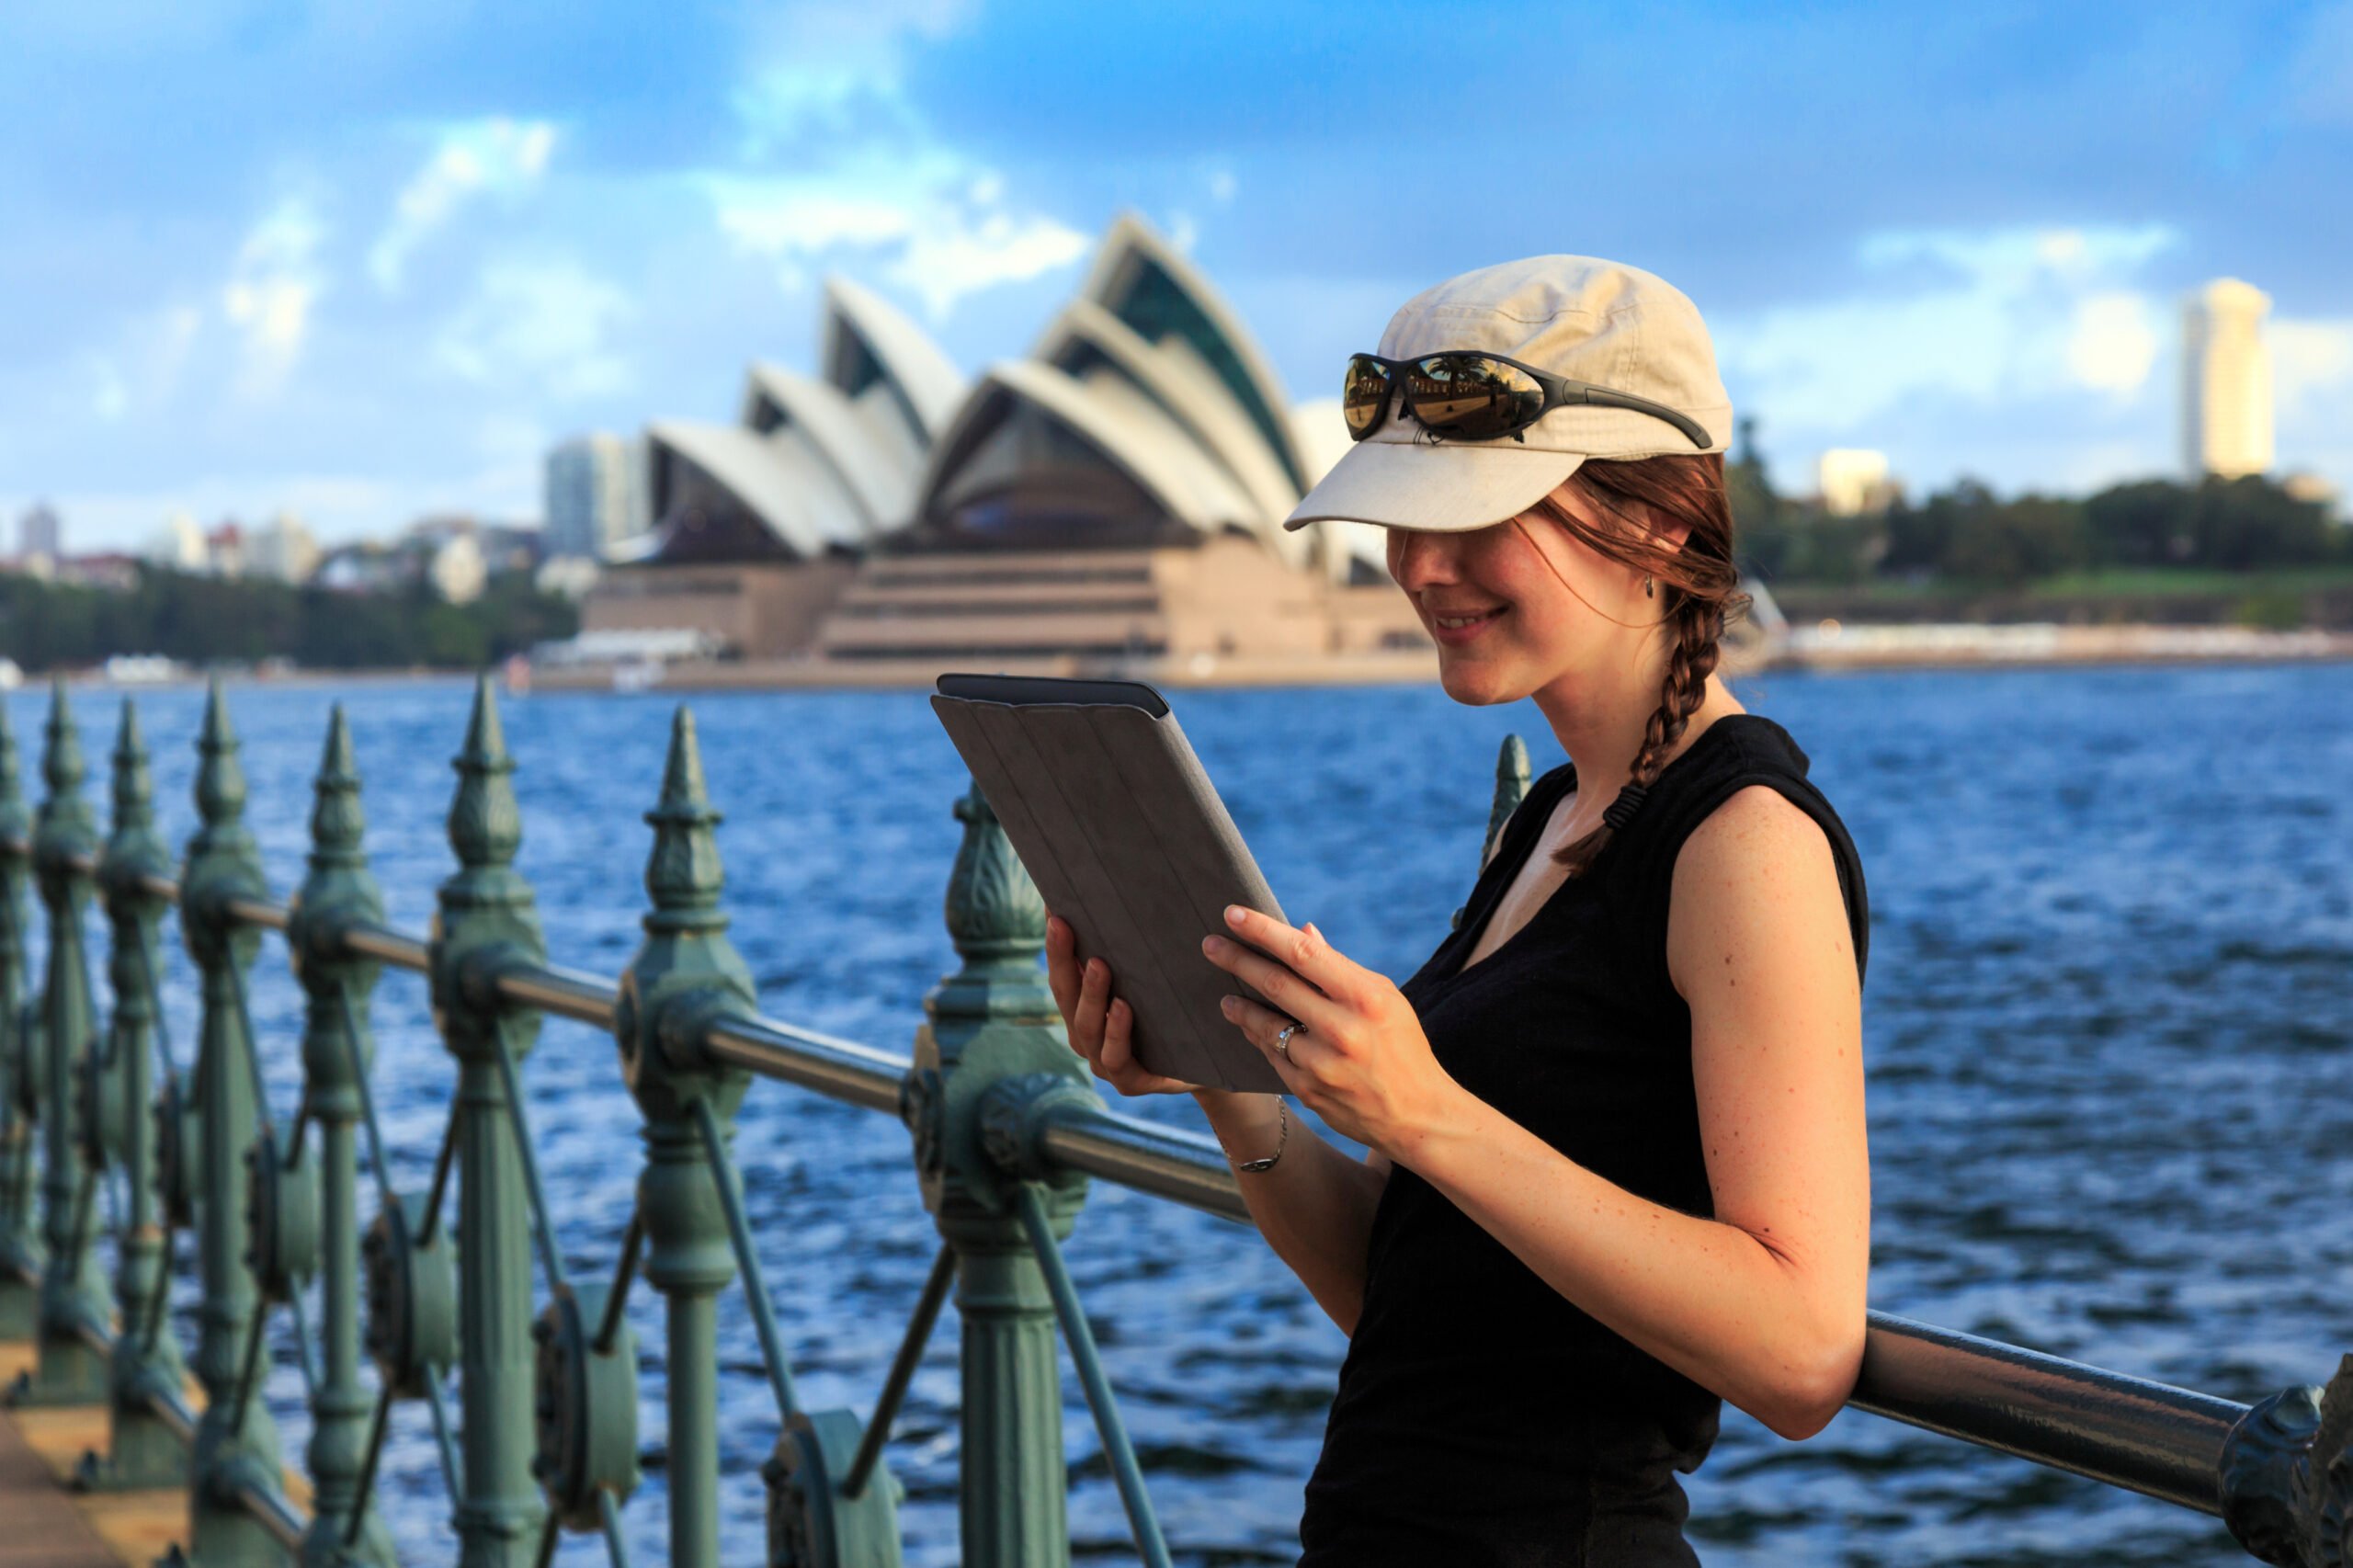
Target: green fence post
pixel 684 972
pixel 237 1441
pixel 339 893
pixel 142 1450
pixel 485 921
pixel 994 1023
pixel 75 1297
pixel 22 1256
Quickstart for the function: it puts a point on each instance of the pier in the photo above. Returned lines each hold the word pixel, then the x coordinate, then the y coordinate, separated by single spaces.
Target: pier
pixel 119 1443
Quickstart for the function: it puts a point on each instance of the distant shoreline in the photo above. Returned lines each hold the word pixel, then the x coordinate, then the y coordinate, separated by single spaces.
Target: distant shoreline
pixel 1827 648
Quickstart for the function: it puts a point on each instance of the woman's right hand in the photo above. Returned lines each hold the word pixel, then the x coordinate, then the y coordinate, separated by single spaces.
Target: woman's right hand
pixel 1098 1023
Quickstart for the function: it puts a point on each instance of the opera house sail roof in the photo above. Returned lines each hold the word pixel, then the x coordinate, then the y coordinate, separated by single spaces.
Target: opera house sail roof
pixel 1115 495
pixel 817 465
pixel 1144 416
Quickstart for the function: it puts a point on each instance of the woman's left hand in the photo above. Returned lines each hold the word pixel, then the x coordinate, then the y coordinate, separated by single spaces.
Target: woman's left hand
pixel 1360 1060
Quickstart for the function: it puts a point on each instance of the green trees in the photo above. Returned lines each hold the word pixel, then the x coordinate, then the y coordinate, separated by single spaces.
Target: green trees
pixel 214 621
pixel 1966 535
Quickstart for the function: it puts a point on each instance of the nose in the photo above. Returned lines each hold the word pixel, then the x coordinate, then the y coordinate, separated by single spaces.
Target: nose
pixel 1419 558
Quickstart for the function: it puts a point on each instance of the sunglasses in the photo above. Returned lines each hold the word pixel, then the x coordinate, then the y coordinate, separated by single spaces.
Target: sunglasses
pixel 1477 397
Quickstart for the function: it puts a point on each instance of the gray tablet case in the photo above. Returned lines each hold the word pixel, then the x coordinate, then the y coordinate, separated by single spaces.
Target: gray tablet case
pixel 1108 807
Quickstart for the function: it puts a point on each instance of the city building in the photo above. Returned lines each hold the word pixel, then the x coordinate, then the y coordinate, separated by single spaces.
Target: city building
pixel 224 549
pixel 2225 381
pixel 1853 481
pixel 40 539
pixel 282 548
pixel 1115 497
pixel 457 569
pixel 595 495
pixel 178 546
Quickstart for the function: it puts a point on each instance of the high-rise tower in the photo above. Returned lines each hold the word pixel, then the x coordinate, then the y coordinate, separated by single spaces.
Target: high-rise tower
pixel 2225 381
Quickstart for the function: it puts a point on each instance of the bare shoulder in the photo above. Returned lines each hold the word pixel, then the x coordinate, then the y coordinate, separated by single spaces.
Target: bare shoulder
pixel 1756 827
pixel 1758 874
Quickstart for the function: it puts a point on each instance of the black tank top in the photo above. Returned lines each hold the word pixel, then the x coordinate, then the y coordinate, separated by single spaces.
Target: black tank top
pixel 1481 1418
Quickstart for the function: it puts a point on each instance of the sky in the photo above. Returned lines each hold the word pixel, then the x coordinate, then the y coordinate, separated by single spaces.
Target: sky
pixel 368 261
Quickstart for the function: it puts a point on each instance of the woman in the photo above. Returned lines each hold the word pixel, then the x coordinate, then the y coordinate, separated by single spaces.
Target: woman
pixel 1615 1164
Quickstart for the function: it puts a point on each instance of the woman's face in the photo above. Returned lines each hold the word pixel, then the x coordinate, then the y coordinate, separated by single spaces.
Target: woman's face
pixel 1544 604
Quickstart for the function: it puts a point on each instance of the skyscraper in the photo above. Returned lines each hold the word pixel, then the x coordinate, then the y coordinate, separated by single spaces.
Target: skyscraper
pixel 594 494
pixel 2225 381
pixel 40 536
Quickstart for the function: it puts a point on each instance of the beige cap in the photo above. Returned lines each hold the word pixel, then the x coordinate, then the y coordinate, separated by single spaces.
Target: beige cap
pixel 1602 322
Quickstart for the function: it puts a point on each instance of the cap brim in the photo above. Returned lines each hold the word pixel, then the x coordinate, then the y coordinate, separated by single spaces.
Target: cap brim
pixel 1447 487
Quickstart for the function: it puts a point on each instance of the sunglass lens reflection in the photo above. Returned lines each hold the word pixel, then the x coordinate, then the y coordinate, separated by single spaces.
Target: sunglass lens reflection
pixel 1471 395
pixel 1364 395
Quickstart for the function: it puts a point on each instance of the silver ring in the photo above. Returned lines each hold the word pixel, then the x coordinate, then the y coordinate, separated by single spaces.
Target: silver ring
pixel 1282 1039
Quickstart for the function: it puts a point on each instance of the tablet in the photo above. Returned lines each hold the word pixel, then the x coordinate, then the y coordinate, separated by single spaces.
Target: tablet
pixel 1101 796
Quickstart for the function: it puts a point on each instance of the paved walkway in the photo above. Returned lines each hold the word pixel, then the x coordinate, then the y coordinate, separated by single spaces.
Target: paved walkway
pixel 42 1521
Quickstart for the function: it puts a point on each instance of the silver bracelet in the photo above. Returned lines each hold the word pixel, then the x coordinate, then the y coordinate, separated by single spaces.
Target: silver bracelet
pixel 1282 1117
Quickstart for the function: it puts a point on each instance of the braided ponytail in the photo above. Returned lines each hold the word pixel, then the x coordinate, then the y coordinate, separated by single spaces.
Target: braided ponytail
pixel 1702 585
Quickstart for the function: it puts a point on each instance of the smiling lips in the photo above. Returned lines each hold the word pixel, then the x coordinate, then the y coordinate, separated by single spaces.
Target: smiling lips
pixel 1461 628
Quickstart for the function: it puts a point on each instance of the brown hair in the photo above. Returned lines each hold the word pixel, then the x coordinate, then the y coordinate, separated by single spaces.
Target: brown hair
pixel 1699 585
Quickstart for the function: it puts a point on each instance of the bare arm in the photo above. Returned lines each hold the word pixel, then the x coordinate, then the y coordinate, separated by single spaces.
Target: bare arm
pixel 1314 1207
pixel 1764 1303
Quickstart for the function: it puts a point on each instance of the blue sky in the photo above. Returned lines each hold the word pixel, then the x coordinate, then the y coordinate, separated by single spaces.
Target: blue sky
pixel 369 260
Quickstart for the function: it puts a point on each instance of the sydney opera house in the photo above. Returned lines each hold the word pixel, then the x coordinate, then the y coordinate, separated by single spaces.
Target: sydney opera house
pixel 1114 500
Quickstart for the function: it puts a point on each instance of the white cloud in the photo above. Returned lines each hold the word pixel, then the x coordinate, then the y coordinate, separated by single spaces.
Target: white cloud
pixel 2114 342
pixel 272 285
pixel 2002 313
pixel 497 156
pixel 831 61
pixel 838 167
pixel 935 226
pixel 542 324
pixel 2310 359
pixel 945 261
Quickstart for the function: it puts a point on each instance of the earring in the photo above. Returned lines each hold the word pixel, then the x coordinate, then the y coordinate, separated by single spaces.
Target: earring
pixel 1650 589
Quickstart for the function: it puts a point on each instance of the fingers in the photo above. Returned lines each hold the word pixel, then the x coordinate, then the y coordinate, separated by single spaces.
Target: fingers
pixel 1305 952
pixel 1118 1065
pixel 1101 1027
pixel 1279 986
pixel 1086 1018
pixel 1061 965
pixel 1259 1026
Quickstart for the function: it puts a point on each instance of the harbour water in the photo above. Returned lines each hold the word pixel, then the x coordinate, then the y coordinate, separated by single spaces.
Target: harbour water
pixel 2109 1035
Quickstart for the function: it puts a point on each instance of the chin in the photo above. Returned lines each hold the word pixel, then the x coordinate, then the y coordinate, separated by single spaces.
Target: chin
pixel 1478 685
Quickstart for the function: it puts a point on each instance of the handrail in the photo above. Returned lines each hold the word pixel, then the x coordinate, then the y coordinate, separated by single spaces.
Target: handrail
pixel 2146 1436
pixel 838 1069
pixel 999 1156
pixel 287 1524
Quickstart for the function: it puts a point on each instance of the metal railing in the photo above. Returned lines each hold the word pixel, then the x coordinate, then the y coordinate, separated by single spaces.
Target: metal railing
pixel 1007 1131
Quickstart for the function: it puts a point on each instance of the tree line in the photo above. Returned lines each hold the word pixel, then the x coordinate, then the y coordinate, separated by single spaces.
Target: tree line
pixel 208 620
pixel 1966 534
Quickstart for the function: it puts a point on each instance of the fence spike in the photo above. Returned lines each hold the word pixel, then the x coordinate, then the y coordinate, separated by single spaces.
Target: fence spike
pixel 74 1295
pixel 337 892
pixel 684 974
pixel 986 1030
pixel 237 1436
pixel 142 1450
pixel 488 920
